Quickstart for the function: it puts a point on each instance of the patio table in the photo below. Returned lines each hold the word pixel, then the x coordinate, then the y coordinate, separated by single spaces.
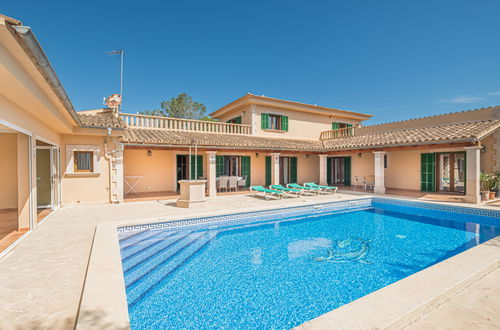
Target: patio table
pixel 131 181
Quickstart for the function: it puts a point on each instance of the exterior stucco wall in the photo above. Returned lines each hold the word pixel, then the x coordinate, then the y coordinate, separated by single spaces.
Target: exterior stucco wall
pixel 8 169
pixel 84 188
pixel 363 166
pixel 13 114
pixel 301 125
pixel 156 169
pixel 488 161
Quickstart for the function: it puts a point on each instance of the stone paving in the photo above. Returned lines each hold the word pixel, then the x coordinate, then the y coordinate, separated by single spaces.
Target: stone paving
pixel 41 279
pixel 475 307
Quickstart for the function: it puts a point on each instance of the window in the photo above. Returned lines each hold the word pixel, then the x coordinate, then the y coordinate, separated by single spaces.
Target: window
pixel 386 161
pixel 84 161
pixel 274 122
pixel 236 120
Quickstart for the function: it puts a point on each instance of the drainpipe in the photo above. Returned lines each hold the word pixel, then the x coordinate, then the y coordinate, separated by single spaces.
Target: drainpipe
pixel 109 156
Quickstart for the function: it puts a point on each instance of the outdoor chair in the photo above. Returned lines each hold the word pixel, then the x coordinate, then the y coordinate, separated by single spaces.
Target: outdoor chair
pixel 286 190
pixel 367 185
pixel 242 182
pixel 222 183
pixel 326 189
pixel 267 192
pixel 233 183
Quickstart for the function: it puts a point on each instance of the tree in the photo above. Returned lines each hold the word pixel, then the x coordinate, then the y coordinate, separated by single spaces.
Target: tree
pixel 181 106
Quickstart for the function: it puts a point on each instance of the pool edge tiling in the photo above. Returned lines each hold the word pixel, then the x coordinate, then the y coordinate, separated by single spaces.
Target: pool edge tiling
pixel 489 255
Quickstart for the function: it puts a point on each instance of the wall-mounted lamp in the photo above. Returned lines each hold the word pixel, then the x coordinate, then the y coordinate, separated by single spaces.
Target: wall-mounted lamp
pixel 307 156
pixel 256 155
pixel 359 155
pixel 483 149
pixel 150 153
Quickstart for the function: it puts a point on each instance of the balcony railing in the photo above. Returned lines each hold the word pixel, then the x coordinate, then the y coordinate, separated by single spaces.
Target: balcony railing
pixel 337 133
pixel 177 124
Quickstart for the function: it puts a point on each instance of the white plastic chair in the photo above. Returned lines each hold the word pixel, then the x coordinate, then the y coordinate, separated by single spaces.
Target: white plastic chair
pixel 233 183
pixel 222 183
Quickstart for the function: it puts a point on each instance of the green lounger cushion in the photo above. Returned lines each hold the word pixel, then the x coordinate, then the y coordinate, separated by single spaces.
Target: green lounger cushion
pixel 314 185
pixel 298 186
pixel 262 189
pixel 280 187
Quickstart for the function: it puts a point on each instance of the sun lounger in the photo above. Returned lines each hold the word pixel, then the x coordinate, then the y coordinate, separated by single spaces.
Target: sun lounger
pixel 266 192
pixel 304 189
pixel 331 189
pixel 286 190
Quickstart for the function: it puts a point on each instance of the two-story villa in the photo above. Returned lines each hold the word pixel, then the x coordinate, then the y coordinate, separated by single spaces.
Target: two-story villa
pixel 52 155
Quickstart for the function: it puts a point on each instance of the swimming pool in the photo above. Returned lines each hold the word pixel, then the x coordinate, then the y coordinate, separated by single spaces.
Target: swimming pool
pixel 281 268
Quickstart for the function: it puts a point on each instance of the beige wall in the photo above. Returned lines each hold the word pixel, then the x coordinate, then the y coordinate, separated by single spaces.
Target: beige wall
pixel 488 162
pixel 301 125
pixel 84 188
pixel 403 169
pixel 156 169
pixel 8 168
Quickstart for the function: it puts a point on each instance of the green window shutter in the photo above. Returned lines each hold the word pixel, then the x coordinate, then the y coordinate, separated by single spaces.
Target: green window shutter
pixel 335 126
pixel 199 167
pixel 245 169
pixel 347 171
pixel 347 126
pixel 284 123
pixel 268 170
pixel 329 170
pixel 264 120
pixel 219 165
pixel 293 169
pixel 428 172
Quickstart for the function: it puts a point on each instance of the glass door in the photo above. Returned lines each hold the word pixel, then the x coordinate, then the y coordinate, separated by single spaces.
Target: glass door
pixel 451 172
pixel 44 177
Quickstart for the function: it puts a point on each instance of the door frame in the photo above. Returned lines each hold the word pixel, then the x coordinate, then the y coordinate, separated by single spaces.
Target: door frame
pixel 55 177
pixel 438 164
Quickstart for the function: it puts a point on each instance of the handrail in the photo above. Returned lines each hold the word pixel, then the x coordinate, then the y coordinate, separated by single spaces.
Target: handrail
pixel 179 124
pixel 337 133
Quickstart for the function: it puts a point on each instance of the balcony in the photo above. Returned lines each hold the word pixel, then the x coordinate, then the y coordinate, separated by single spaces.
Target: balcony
pixel 337 133
pixel 177 124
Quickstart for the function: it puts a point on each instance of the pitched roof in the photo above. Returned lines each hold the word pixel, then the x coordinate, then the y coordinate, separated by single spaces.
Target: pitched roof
pixel 449 133
pixel 102 119
pixel 292 105
pixel 168 137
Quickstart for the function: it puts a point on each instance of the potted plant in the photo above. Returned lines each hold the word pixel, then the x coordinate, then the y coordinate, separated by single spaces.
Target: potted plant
pixel 497 178
pixel 493 186
pixel 484 182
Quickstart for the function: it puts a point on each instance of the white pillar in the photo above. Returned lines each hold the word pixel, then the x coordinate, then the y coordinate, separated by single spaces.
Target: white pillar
pixel 211 173
pixel 118 172
pixel 275 168
pixel 379 187
pixel 323 170
pixel 473 167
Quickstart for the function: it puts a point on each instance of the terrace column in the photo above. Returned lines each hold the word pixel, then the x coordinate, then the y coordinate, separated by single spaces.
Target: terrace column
pixel 323 170
pixel 275 168
pixel 473 168
pixel 379 187
pixel 118 172
pixel 211 173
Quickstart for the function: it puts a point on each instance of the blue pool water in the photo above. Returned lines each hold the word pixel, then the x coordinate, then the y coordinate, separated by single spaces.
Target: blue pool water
pixel 281 273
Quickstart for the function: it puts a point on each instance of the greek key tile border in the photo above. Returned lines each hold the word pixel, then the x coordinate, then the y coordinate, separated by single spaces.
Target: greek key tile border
pixel 254 216
pixel 440 207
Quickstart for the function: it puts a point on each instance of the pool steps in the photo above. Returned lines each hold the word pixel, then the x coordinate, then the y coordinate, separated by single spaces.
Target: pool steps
pixel 161 265
pixel 146 243
pixel 154 250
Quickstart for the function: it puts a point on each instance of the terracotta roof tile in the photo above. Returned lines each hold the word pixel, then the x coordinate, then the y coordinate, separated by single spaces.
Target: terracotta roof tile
pixel 457 132
pixel 160 136
pixel 103 119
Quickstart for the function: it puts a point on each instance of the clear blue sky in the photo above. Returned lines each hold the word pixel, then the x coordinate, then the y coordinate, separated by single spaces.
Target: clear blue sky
pixel 393 59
